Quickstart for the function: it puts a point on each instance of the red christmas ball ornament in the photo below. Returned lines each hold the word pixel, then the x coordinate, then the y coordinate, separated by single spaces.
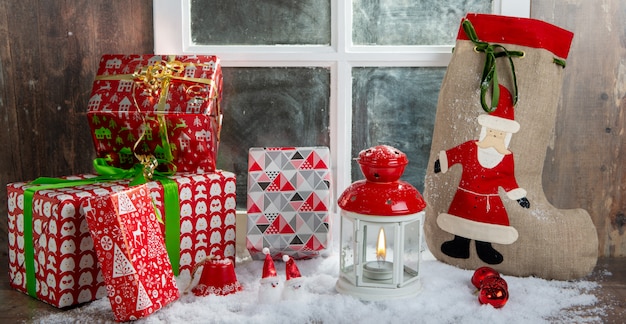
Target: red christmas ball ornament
pixel 496 280
pixel 481 273
pixel 494 293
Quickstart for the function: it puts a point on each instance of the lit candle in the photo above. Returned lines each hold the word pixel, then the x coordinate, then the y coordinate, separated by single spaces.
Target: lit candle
pixel 379 269
pixel 381 246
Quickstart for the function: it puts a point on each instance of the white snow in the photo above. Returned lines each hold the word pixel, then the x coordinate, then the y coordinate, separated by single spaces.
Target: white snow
pixel 447 296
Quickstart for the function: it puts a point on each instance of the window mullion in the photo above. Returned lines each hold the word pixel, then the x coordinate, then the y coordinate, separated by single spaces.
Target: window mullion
pixel 342 110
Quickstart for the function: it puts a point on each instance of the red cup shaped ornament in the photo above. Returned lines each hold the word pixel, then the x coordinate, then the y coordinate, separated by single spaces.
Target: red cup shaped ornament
pixel 218 278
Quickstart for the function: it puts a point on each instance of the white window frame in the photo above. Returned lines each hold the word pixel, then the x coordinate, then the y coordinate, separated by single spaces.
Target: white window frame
pixel 172 35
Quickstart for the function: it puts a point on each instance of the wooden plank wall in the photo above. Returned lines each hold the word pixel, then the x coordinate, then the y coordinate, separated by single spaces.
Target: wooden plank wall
pixel 49 52
pixel 584 167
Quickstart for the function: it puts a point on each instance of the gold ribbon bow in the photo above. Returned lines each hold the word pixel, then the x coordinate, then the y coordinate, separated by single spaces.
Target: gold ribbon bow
pixel 155 80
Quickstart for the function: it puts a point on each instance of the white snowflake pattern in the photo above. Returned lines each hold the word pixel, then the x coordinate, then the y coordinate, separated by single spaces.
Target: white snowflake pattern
pixel 106 242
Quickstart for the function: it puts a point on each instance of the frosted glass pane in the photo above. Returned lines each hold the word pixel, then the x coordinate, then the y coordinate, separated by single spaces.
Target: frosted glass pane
pixel 409 22
pixel 395 106
pixel 266 107
pixel 260 22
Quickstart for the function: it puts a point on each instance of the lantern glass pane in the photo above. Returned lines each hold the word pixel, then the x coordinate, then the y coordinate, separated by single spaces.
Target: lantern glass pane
pixel 412 249
pixel 377 254
pixel 346 261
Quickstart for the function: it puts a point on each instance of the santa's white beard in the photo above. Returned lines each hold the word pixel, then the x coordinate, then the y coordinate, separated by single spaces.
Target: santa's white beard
pixel 269 293
pixel 489 157
pixel 294 289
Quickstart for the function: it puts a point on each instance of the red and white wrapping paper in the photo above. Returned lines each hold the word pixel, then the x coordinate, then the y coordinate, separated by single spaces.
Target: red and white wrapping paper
pixel 130 91
pixel 207 217
pixel 65 262
pixel 131 252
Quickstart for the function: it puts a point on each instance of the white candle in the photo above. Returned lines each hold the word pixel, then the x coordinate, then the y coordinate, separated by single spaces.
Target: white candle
pixel 378 270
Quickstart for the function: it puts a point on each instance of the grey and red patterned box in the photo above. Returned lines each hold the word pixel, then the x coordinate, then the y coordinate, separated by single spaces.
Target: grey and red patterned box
pixel 158 105
pixel 131 252
pixel 289 201
pixel 52 246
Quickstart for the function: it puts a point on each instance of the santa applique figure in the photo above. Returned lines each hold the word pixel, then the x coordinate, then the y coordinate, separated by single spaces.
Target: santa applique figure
pixel 270 289
pixel 476 211
pixel 294 282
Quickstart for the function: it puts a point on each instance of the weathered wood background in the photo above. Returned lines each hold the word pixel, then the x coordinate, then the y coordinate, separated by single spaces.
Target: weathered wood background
pixel 49 52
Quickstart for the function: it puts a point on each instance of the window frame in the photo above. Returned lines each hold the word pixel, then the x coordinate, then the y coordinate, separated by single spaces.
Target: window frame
pixel 172 35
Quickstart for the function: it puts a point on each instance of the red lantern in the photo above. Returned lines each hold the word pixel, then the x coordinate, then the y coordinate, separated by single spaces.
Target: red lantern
pixel 381 230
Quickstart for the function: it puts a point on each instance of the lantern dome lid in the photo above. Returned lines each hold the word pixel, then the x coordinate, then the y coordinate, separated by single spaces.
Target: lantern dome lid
pixel 382 156
pixel 382 163
pixel 395 198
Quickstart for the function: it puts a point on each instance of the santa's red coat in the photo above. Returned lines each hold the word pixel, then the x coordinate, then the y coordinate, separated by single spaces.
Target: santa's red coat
pixel 477 196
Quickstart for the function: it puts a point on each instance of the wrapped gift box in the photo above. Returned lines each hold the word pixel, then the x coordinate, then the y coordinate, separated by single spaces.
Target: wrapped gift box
pixel 63 267
pixel 131 252
pixel 207 218
pixel 158 105
pixel 288 202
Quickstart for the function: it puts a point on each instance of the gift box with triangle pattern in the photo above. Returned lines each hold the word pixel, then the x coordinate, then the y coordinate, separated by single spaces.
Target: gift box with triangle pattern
pixel 289 199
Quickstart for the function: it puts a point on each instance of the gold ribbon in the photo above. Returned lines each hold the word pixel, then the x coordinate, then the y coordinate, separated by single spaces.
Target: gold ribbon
pixel 155 79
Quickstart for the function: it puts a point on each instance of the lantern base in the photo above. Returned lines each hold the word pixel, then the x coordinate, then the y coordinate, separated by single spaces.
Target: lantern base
pixel 376 293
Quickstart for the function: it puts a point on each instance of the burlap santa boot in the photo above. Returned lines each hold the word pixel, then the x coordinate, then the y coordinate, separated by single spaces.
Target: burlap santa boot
pixel 495 119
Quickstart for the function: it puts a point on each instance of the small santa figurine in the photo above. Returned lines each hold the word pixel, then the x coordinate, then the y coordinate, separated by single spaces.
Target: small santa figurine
pixel 270 289
pixel 294 282
pixel 476 211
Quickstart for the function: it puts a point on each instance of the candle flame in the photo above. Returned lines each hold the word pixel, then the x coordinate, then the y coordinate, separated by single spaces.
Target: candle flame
pixel 381 246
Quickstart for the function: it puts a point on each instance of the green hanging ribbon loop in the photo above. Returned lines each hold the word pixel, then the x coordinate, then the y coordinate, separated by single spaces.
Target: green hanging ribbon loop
pixel 559 62
pixel 105 173
pixel 489 78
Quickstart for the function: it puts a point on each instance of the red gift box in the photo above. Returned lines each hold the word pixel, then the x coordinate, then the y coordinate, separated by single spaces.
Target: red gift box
pixel 51 255
pixel 166 106
pixel 131 252
pixel 207 218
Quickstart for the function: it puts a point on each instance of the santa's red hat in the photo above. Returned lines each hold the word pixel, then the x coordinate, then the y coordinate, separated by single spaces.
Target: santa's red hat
pixel 269 270
pixel 291 269
pixel 503 117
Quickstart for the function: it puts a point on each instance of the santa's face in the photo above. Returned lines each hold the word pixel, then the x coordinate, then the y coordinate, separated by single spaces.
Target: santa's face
pixel 271 283
pixel 493 138
pixel 294 289
pixel 270 291
pixel 294 285
pixel 496 133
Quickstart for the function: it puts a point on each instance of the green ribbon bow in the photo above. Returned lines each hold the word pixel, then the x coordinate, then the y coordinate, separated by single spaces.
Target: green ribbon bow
pixel 105 173
pixel 489 78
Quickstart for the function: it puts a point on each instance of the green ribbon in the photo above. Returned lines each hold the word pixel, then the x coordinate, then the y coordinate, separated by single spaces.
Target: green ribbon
pixel 105 173
pixel 489 78
pixel 170 197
